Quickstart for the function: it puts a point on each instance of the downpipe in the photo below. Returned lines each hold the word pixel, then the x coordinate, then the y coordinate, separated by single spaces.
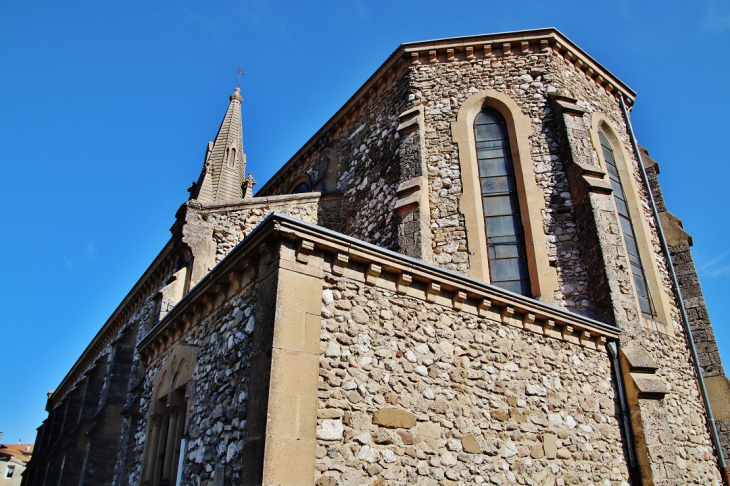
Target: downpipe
pixel 634 471
pixel 680 301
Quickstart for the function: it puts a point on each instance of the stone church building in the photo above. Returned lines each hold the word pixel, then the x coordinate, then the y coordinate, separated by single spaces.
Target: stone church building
pixel 468 275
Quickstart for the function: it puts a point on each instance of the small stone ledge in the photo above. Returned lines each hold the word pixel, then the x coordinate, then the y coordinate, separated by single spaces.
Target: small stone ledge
pixel 673 230
pixel 316 249
pixel 135 299
pixel 347 257
pixel 409 193
pixel 639 370
pixel 263 201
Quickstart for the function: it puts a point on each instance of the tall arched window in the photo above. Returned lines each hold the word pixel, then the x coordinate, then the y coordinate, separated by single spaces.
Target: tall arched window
pixel 502 222
pixel 642 289
pixel 232 157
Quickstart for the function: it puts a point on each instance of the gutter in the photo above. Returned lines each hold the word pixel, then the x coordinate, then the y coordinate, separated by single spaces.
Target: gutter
pixel 634 470
pixel 680 301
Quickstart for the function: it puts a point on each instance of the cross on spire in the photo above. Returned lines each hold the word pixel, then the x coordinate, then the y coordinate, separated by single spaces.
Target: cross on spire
pixel 240 72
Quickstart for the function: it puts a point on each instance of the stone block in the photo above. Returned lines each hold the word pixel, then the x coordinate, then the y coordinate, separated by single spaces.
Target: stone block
pixel 294 373
pixel 299 457
pixel 718 388
pixel 550 445
pixel 638 360
pixel 394 418
pixel 470 444
pixel 289 329
pixel 649 386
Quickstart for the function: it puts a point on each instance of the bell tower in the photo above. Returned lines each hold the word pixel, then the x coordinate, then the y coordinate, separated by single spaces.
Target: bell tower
pixel 224 167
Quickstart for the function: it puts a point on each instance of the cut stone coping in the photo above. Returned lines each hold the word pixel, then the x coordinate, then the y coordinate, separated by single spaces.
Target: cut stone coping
pixel 443 51
pixel 353 259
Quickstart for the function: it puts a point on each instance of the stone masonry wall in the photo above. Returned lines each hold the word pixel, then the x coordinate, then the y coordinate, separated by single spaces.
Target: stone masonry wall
pixel 685 410
pixel 369 173
pixel 232 225
pixel 366 153
pixel 574 83
pixel 415 393
pixel 528 80
pixel 217 414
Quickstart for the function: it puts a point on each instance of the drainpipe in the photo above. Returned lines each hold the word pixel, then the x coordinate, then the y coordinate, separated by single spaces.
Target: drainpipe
pixel 634 471
pixel 680 301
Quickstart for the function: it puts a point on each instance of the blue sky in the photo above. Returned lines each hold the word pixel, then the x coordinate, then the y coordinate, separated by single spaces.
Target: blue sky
pixel 107 108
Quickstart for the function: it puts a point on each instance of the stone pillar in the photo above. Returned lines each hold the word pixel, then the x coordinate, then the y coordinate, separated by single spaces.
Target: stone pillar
pixel 170 443
pixel 153 444
pixel 248 184
pixel 412 206
pixel 279 442
pixel 679 243
pixel 196 233
pixel 613 293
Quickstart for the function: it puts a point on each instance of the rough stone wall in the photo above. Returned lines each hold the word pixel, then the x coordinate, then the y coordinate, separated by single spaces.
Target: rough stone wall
pixel 366 153
pixel 80 443
pixel 217 407
pixel 369 172
pixel 415 393
pixel 685 410
pixel 232 225
pixel 575 84
pixel 699 319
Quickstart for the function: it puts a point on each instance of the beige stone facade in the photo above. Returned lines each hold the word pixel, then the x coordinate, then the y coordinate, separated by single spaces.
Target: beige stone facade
pixel 340 326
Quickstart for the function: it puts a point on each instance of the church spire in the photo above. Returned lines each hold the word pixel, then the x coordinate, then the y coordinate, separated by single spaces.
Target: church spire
pixel 224 169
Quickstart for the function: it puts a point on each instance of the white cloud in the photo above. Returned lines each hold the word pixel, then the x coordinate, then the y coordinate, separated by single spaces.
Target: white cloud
pixel 717 16
pixel 717 267
pixel 91 251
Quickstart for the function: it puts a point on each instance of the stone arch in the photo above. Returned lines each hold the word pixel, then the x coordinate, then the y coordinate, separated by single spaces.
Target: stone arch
pixel 167 415
pixel 302 179
pixel 543 277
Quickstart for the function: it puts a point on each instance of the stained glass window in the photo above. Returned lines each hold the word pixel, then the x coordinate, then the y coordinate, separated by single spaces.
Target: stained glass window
pixel 642 289
pixel 505 235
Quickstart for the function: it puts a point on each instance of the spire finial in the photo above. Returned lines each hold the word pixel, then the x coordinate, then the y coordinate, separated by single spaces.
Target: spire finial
pixel 240 72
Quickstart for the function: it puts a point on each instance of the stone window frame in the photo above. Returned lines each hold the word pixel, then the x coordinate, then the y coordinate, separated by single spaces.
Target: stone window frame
pixel 600 123
pixel 177 373
pixel 543 276
pixel 302 179
pixel 231 155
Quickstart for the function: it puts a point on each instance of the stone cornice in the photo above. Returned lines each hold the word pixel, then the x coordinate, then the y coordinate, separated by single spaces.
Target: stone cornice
pixel 343 255
pixel 308 197
pixel 464 49
pixel 160 267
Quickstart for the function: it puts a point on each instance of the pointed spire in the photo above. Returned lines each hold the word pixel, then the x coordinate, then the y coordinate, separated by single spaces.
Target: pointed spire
pixel 224 168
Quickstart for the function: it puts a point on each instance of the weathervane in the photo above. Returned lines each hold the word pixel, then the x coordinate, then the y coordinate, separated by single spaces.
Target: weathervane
pixel 240 71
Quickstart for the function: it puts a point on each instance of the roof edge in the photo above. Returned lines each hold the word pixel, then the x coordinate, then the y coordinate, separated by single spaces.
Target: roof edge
pixel 494 302
pixel 398 61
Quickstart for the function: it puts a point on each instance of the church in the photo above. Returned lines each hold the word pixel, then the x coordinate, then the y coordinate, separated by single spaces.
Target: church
pixel 468 275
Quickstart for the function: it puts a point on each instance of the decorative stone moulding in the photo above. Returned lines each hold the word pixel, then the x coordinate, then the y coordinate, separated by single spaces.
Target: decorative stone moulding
pixel 208 296
pixel 152 279
pixel 327 251
pixel 539 42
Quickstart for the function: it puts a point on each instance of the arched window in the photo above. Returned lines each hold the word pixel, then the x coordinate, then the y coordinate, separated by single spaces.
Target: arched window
pixel 166 420
pixel 637 270
pixel 231 157
pixel 503 224
pixel 300 185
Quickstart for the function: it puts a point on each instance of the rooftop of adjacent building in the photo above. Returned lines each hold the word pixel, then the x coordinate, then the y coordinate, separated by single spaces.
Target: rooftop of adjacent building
pixel 20 451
